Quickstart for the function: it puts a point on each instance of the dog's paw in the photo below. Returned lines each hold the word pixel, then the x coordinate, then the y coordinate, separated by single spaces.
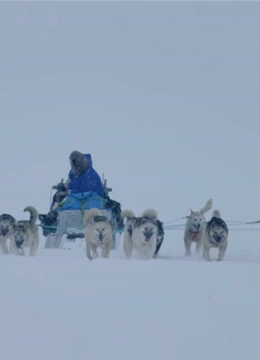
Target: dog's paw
pixel 187 254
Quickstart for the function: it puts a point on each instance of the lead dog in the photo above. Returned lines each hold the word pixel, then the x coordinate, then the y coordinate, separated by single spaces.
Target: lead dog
pixel 216 236
pixel 195 228
pixel 7 223
pixel 159 239
pixel 98 234
pixel 26 234
pixel 144 234
pixel 128 231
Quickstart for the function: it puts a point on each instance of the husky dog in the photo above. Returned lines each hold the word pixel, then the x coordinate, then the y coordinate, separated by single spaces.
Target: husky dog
pixel 128 232
pixel 216 236
pixel 195 228
pixel 159 238
pixel 7 223
pixel 145 234
pixel 98 233
pixel 26 234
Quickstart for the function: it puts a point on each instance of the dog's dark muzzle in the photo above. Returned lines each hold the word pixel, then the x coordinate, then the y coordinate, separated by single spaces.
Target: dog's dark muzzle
pixel 4 231
pixel 148 235
pixel 19 243
pixel 217 238
pixel 100 237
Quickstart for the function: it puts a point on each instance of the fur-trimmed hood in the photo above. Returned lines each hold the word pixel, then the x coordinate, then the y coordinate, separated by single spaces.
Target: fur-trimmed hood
pixel 80 162
pixel 88 179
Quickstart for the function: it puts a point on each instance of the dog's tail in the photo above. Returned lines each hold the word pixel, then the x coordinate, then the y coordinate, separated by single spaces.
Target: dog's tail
pixel 91 214
pixel 216 214
pixel 150 213
pixel 206 207
pixel 129 214
pixel 33 214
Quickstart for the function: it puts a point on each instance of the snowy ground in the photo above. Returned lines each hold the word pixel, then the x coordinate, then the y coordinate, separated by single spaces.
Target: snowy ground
pixel 60 306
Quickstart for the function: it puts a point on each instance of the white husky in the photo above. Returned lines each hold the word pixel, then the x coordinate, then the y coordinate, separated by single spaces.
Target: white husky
pixel 128 232
pixel 145 234
pixel 98 233
pixel 216 236
pixel 195 228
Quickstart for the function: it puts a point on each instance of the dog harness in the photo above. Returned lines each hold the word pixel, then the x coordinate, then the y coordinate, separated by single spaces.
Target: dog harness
pixel 194 235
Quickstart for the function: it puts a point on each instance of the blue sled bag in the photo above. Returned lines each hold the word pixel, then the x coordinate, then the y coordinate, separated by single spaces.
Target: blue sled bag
pixel 82 201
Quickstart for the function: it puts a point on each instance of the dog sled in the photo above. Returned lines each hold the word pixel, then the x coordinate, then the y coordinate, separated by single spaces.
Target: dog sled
pixel 69 224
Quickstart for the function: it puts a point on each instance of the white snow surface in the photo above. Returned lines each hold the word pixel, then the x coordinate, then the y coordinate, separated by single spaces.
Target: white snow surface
pixel 61 306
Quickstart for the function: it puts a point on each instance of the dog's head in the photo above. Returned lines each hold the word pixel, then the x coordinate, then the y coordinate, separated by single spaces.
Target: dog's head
pixel 217 230
pixel 160 231
pixel 129 225
pixel 101 228
pixel 20 233
pixel 196 221
pixel 147 226
pixel 130 220
pixel 7 223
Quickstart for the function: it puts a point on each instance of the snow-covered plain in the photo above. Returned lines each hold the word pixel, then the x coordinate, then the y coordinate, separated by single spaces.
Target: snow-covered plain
pixel 61 306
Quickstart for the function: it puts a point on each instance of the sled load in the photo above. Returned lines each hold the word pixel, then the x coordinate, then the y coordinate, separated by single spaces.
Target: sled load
pixel 82 191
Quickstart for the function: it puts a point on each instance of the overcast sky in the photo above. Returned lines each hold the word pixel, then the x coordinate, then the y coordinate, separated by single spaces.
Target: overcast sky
pixel 164 95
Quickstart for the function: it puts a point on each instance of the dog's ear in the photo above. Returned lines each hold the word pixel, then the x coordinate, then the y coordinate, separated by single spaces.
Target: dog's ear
pixel 191 212
pixel 154 220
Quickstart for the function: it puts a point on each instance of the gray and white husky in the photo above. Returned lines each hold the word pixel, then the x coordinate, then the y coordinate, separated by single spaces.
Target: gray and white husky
pixel 160 238
pixel 195 228
pixel 26 234
pixel 144 234
pixel 128 231
pixel 216 236
pixel 7 223
pixel 98 234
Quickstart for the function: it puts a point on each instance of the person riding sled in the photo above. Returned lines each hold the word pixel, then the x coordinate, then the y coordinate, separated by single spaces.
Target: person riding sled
pixel 83 190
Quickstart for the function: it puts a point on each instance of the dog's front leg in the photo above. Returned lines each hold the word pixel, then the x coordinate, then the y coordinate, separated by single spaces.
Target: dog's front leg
pixel 88 251
pixel 19 252
pixel 11 247
pixel 187 244
pixel 198 246
pixel 3 246
pixel 94 250
pixel 33 249
pixel 128 246
pixel 221 252
pixel 206 253
pixel 106 250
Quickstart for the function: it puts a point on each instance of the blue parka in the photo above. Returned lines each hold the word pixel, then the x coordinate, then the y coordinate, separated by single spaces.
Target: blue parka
pixel 86 190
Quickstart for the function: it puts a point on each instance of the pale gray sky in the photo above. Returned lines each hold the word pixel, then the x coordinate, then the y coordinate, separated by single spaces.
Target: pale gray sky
pixel 164 95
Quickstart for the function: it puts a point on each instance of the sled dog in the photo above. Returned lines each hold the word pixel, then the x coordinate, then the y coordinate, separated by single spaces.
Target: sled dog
pixel 98 233
pixel 26 234
pixel 195 228
pixel 128 232
pixel 7 223
pixel 144 234
pixel 216 236
pixel 159 238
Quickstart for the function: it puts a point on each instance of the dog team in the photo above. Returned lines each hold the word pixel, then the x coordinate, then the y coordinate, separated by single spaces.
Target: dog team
pixel 144 234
